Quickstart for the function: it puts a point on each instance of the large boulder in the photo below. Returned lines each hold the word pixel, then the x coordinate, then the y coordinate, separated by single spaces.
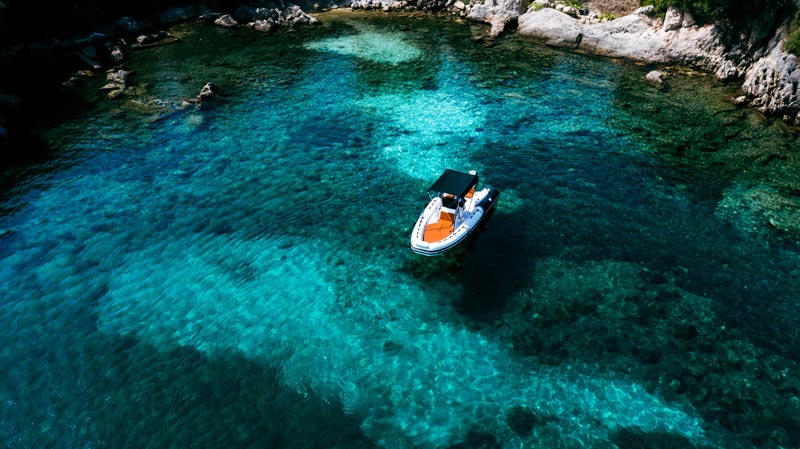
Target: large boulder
pixel 497 13
pixel 294 16
pixel 639 36
pixel 551 27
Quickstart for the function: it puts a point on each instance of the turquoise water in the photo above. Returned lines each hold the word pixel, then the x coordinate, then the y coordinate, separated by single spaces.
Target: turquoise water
pixel 237 273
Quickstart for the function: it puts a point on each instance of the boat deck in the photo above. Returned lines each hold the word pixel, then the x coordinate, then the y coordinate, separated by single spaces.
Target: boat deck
pixel 441 229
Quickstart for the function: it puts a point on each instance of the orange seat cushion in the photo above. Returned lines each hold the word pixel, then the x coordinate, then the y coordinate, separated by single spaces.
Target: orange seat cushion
pixel 441 229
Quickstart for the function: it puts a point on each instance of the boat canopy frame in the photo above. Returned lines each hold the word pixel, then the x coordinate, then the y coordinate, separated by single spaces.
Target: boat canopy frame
pixel 455 183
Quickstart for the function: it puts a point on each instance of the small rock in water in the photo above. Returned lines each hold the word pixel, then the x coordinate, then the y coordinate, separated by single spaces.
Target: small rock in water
pixel 265 26
pixel 739 100
pixel 655 77
pixel 226 21
pixel 117 82
pixel 208 91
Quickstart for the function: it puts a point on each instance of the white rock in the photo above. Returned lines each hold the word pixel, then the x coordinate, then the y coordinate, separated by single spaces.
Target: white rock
pixel 635 37
pixel 551 27
pixel 226 21
pixel 773 81
pixel 496 13
pixel 673 19
pixel 688 20
pixel 655 77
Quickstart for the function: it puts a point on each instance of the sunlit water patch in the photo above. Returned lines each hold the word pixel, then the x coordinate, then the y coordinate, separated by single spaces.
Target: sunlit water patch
pixel 388 48
pixel 427 132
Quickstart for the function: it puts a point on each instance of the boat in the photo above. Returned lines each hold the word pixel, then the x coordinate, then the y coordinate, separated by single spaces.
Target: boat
pixel 455 209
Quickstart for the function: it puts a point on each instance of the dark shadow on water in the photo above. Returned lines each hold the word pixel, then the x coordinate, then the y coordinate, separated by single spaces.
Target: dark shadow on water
pixel 494 270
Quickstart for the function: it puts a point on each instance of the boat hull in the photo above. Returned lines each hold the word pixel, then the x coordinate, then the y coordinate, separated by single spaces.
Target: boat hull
pixel 418 244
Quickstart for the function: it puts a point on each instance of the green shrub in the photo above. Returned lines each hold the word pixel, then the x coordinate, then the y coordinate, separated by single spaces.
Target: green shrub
pixel 792 42
pixel 740 14
pixel 607 16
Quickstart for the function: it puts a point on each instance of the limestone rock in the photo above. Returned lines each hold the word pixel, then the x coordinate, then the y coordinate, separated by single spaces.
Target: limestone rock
pixel 688 20
pixel 295 16
pixel 550 27
pixel 265 26
pixel 655 77
pixel 117 55
pixel 497 13
pixel 208 91
pixel 673 19
pixel 773 80
pixel 209 17
pixel 636 36
pixel 226 21
pixel 740 100
pixel 118 78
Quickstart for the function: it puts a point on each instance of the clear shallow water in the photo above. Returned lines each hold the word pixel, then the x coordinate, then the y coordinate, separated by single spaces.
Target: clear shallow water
pixel 238 274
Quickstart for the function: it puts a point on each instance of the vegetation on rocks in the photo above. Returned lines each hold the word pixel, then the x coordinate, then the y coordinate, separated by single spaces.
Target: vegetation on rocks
pixel 792 44
pixel 737 13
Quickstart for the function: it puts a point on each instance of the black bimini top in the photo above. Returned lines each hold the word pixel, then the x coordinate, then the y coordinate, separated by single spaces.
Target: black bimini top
pixel 454 182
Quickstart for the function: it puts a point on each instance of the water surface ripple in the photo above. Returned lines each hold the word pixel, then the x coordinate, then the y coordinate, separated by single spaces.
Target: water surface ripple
pixel 237 273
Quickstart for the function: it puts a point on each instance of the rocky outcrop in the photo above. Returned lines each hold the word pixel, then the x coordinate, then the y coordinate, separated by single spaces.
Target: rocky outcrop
pixel 226 21
pixel 771 75
pixel 772 82
pixel 497 13
pixel 640 36
pixel 268 19
pixel 117 82
pixel 208 91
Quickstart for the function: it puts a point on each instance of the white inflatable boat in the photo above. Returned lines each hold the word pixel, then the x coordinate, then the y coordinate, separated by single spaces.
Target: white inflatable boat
pixel 454 211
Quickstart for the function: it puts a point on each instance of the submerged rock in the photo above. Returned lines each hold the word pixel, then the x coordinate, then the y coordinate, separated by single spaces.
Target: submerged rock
pixel 762 208
pixel 521 420
pixel 152 40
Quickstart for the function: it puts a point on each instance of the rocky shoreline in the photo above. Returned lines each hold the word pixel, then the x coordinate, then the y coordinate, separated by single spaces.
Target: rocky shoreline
pixel 769 74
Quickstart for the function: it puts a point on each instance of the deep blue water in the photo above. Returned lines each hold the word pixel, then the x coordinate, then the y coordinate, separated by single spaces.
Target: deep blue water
pixel 237 273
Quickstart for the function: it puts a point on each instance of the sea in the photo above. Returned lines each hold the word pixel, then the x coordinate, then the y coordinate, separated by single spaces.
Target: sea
pixel 236 272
